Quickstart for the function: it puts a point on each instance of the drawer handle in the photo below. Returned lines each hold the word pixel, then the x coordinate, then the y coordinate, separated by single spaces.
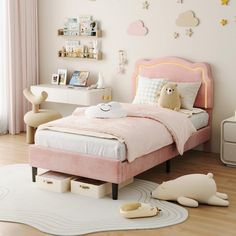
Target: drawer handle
pixel 84 187
pixel 48 182
pixel 106 97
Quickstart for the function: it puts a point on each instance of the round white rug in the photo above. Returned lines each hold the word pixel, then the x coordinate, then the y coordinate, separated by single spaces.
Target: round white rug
pixel 70 214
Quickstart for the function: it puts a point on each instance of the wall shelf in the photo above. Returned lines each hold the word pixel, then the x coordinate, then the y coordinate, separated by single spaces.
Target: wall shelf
pixel 61 32
pixel 80 45
pixel 96 56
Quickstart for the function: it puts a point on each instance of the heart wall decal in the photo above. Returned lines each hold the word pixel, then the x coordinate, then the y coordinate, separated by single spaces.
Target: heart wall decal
pixel 137 28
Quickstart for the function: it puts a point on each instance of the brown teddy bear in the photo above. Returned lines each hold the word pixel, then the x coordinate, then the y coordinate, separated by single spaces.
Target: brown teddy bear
pixel 170 97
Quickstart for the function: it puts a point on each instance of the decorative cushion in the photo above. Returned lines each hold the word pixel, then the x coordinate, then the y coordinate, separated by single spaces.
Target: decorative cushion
pixel 148 89
pixel 106 110
pixel 188 92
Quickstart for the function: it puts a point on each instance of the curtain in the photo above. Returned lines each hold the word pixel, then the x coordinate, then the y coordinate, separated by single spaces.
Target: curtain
pixel 22 58
pixel 3 76
pixel 18 60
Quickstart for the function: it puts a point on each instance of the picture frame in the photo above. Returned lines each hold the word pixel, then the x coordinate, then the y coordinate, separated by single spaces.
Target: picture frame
pixel 79 78
pixel 62 76
pixel 55 79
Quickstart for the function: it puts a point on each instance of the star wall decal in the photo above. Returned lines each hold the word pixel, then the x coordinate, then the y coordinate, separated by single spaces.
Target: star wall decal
pixel 146 5
pixel 223 22
pixel 224 2
pixel 189 32
pixel 176 35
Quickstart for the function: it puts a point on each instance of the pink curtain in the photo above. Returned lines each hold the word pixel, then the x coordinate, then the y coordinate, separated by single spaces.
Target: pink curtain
pixel 23 58
pixel 3 69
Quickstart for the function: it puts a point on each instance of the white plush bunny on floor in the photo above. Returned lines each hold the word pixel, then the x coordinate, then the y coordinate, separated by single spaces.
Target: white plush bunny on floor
pixel 190 190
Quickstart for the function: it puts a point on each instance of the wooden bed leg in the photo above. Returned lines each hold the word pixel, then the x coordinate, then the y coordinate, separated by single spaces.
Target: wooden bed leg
pixel 34 173
pixel 168 166
pixel 114 191
pixel 207 146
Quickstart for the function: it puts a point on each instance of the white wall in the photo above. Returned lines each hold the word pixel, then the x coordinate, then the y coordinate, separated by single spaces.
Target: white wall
pixel 210 42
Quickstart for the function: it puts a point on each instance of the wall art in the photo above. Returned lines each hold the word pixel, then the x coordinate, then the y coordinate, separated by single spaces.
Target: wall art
pixel 187 19
pixel 223 22
pixel 146 5
pixel 122 61
pixel 189 32
pixel 224 2
pixel 176 35
pixel 137 28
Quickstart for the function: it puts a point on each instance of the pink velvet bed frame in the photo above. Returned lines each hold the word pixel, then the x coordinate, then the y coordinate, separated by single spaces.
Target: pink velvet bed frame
pixel 114 171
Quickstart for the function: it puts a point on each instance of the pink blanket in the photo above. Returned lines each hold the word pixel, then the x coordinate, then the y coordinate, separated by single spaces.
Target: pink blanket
pixel 144 130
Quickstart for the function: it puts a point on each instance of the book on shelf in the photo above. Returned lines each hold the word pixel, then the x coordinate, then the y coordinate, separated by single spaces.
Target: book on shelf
pixel 71 27
pixel 88 27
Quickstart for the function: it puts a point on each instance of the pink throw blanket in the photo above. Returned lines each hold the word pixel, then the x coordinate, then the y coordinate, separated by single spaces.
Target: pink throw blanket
pixel 140 130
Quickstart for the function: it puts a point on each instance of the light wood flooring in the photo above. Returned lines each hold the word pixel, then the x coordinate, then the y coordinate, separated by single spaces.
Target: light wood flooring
pixel 202 221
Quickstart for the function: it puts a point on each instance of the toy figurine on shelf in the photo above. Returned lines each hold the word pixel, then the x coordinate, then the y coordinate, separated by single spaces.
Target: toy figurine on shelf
pixel 69 53
pixel 93 28
pixel 90 50
pixel 60 32
pixel 86 52
pixel 74 54
pixel 78 52
pixel 62 53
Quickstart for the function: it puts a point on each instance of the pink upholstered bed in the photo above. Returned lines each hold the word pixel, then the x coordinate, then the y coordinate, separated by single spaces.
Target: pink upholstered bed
pixel 115 171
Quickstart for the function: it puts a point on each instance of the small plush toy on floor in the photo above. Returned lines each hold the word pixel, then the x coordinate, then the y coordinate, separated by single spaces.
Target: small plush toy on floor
pixel 169 97
pixel 190 190
pixel 138 210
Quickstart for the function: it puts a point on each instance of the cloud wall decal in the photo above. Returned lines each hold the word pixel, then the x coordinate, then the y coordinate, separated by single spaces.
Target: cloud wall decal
pixel 187 19
pixel 137 28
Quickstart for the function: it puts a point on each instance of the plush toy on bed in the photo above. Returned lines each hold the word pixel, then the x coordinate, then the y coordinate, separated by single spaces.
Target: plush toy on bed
pixel 170 97
pixel 106 110
pixel 190 190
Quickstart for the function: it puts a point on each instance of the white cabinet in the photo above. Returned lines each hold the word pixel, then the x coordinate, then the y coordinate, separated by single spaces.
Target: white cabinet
pixel 228 141
pixel 76 95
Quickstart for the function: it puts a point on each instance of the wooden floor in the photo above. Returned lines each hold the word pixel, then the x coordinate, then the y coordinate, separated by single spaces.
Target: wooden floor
pixel 202 221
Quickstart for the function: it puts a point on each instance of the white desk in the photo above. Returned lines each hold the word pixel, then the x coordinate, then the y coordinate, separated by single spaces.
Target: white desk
pixel 77 95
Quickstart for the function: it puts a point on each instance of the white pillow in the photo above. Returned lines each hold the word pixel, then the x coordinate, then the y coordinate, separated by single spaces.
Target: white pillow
pixel 148 89
pixel 188 92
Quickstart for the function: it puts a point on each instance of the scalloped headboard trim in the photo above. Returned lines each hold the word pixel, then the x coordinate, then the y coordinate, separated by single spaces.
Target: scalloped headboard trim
pixel 179 70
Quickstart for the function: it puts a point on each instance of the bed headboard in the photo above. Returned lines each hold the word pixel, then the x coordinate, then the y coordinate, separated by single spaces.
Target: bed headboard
pixel 179 70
